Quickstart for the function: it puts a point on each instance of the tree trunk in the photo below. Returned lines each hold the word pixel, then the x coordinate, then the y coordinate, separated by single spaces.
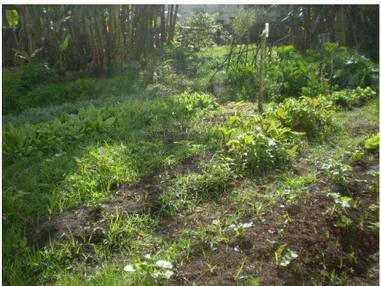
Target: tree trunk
pixel 101 35
pixel 170 17
pixel 124 30
pixel 340 26
pixel 157 28
pixel 307 27
pixel 173 25
pixel 230 53
pixel 362 30
pixel 349 14
pixel 163 35
pixel 116 39
pixel 25 32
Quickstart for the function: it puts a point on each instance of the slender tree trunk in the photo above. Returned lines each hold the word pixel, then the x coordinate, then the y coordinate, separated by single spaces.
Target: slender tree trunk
pixel 170 17
pixel 150 27
pixel 362 30
pixel 157 28
pixel 351 24
pixel 131 37
pixel 116 38
pixel 340 25
pixel 294 29
pixel 172 24
pixel 230 53
pixel 331 18
pixel 101 25
pixel 163 20
pixel 26 44
pixel 307 26
pixel 124 29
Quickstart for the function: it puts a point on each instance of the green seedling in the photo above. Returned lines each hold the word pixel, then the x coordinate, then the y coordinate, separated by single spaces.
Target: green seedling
pixel 338 171
pixel 240 268
pixel 286 258
pixel 278 253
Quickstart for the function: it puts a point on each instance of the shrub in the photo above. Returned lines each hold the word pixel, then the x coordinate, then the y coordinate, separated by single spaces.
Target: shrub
pixel 268 147
pixel 294 71
pixel 353 69
pixel 373 143
pixel 18 81
pixel 199 31
pixel 346 67
pixel 19 94
pixel 193 101
pixel 349 98
pixel 257 144
pixel 244 81
pixel 312 116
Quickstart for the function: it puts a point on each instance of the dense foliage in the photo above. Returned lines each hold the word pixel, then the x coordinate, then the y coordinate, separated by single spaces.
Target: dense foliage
pixel 158 173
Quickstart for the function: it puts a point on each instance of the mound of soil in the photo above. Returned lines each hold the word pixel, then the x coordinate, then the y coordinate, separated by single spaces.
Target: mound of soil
pixel 321 246
pixel 82 222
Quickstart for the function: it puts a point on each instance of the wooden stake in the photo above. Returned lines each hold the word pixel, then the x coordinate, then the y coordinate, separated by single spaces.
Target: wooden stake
pixel 262 74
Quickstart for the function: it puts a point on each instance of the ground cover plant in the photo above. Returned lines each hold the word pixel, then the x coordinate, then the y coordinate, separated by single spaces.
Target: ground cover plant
pixel 167 174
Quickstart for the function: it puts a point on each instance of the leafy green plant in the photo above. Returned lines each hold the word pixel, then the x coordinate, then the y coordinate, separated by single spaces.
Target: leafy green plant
pixel 194 101
pixel 296 71
pixel 200 31
pixel 310 115
pixel 285 258
pixel 151 272
pixel 373 143
pixel 339 172
pixel 289 256
pixel 257 144
pixel 244 80
pixel 339 210
pixel 352 69
pixel 350 98
pixel 278 253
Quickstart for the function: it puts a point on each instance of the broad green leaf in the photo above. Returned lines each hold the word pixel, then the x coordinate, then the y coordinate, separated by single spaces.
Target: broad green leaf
pixel 23 53
pixel 233 119
pixel 109 121
pixel 12 17
pixel 65 43
pixel 373 143
pixel 249 139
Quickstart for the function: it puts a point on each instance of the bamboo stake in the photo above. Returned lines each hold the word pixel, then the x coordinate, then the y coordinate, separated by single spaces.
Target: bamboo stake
pixel 262 69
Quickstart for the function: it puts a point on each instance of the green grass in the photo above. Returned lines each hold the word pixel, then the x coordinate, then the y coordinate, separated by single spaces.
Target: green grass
pixel 36 86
